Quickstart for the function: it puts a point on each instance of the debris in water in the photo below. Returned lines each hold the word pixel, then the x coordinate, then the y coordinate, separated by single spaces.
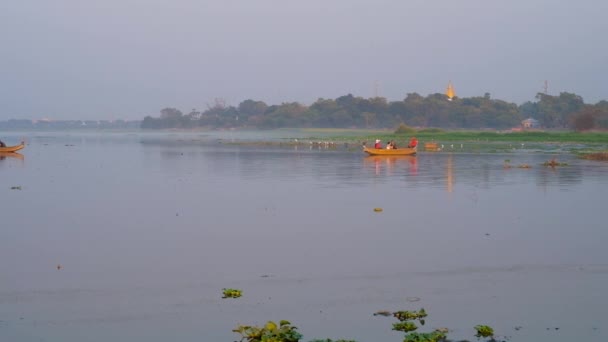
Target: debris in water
pixel 553 163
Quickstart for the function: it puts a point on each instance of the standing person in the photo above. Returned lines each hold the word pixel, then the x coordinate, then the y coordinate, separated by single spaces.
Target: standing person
pixel 378 144
pixel 413 142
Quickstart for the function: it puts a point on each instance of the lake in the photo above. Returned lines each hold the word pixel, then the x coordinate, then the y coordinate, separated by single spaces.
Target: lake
pixel 132 236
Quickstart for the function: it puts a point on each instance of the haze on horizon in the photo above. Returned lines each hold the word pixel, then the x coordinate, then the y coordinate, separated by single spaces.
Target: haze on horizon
pixel 125 59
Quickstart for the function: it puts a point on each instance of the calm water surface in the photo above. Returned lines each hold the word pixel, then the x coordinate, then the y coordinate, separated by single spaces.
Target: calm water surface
pixel 148 229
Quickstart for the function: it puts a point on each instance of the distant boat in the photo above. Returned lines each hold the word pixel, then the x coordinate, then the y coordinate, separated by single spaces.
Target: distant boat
pixel 12 148
pixel 450 93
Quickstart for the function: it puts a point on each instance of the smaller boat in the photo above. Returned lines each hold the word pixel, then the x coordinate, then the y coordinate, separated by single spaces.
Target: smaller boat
pixel 391 152
pixel 12 148
pixel 431 146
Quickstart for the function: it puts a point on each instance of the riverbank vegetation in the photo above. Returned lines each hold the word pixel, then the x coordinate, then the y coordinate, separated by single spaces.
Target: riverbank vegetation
pixel 473 141
pixel 585 144
pixel 565 111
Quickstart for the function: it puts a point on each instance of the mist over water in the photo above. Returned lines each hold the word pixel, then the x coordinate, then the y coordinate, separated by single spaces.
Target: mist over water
pixel 148 228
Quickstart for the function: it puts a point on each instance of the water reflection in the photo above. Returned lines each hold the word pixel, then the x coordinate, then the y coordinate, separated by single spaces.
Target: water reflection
pixel 148 234
pixel 346 168
pixel 15 155
pixel 390 164
pixel 450 174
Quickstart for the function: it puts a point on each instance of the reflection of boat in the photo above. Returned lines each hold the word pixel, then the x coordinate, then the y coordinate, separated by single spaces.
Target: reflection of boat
pixel 396 157
pixel 391 152
pixel 450 93
pixel 11 155
pixel 12 148
pixel 390 159
pixel 390 162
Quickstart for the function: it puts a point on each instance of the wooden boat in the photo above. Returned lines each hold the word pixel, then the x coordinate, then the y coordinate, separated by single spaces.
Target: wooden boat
pixel 391 152
pixel 12 148
pixel 431 146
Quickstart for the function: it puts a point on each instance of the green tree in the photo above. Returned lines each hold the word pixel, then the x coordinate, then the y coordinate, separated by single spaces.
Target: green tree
pixel 249 108
pixel 585 119
pixel 554 111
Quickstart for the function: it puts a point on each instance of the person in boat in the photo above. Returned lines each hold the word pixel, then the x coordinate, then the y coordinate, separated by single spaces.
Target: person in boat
pixel 378 144
pixel 389 145
pixel 413 142
pixel 393 145
pixel 2 144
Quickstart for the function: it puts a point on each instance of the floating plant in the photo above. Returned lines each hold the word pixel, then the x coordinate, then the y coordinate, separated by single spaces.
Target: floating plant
pixel 232 293
pixel 484 331
pixel 271 332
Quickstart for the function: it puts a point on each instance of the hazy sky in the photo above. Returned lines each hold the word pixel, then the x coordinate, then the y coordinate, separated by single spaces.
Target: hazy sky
pixel 111 59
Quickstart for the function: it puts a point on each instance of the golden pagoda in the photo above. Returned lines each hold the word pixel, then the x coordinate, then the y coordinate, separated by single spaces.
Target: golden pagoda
pixel 449 92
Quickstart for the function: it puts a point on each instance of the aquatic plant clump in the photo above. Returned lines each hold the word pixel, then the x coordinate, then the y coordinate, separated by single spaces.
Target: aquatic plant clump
pixel 271 332
pixel 434 336
pixel 410 315
pixel 553 163
pixel 231 293
pixel 405 326
pixel 484 331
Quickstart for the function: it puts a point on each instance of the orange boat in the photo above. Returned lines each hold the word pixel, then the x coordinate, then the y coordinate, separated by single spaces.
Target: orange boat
pixel 12 148
pixel 391 152
pixel 431 146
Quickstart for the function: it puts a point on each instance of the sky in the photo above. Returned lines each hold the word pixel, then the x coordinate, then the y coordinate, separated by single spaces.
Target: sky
pixel 125 59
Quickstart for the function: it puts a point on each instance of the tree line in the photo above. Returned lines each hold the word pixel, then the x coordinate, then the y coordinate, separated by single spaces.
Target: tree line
pixel 564 111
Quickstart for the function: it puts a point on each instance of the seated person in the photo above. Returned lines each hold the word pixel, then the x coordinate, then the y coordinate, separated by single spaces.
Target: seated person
pixel 2 144
pixel 413 142
pixel 378 144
